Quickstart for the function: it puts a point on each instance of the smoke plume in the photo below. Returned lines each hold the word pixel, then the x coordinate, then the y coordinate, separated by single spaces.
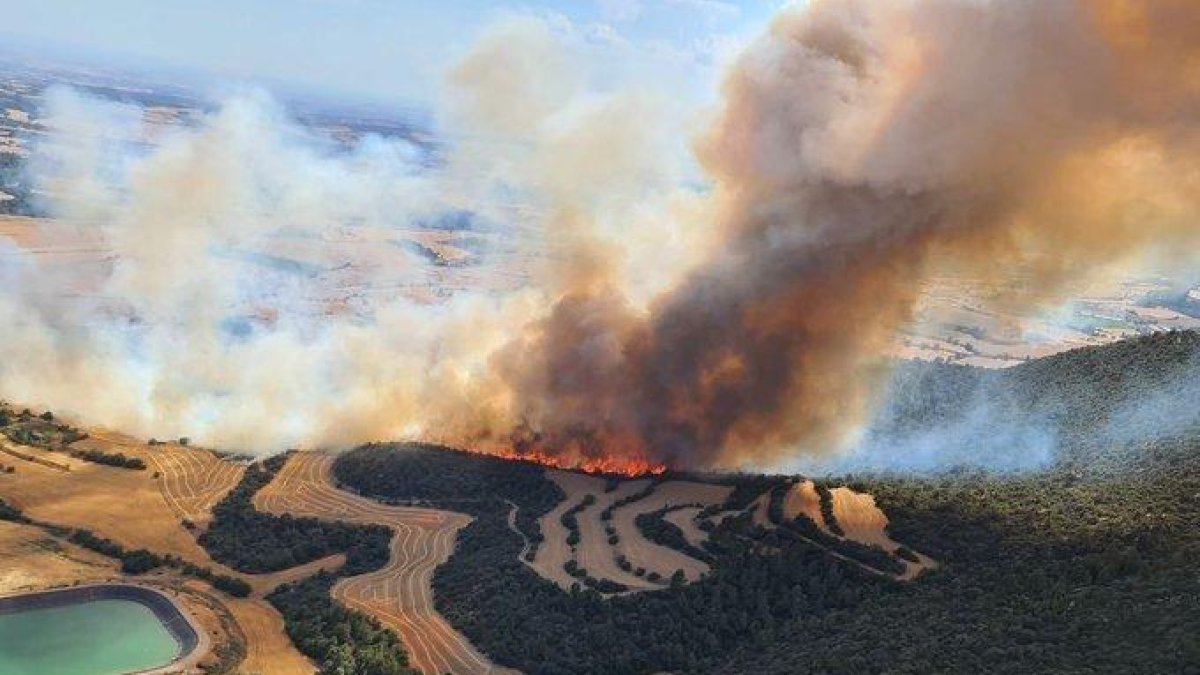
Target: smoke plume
pixel 858 145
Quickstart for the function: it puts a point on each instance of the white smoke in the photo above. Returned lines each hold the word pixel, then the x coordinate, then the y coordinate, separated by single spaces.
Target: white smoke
pixel 218 313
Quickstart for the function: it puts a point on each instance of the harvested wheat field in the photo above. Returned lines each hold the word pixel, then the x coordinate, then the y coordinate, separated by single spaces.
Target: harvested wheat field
pixel 268 649
pixel 193 481
pixel 31 560
pixel 400 595
pixel 594 553
pixel 124 505
pixel 554 552
pixel 640 551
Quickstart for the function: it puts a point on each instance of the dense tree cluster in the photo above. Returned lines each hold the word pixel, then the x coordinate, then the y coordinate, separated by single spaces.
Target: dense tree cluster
pixel 249 540
pixel 39 431
pixel 117 459
pixel 1087 566
pixel 342 641
pixel 435 474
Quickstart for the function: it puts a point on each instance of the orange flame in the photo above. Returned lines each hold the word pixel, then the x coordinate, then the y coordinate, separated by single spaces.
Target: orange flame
pixel 619 466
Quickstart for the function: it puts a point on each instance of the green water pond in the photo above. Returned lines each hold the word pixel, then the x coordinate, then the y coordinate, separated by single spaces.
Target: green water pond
pixel 99 637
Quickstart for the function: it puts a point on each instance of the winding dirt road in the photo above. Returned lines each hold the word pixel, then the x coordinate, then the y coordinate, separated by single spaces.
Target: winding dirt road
pixel 400 595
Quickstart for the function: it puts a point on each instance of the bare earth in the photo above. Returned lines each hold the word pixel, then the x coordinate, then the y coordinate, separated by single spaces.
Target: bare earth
pixel 400 595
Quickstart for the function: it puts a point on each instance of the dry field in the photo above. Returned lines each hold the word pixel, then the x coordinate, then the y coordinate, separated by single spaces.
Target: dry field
pixel 400 595
pixel 138 511
pixel 685 520
pixel 595 554
pixel 759 510
pixel 640 551
pixel 865 522
pixel 268 649
pixel 120 504
pixel 554 552
pixel 30 560
pixel 856 513
pixel 193 481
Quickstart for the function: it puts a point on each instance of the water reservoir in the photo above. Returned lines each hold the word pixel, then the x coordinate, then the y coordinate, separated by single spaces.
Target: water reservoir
pixel 98 630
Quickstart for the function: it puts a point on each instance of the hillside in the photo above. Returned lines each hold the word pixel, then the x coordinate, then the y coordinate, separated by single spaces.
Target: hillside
pixel 1086 565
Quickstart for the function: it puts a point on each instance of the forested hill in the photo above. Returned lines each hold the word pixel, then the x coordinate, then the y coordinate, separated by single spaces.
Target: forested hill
pixel 1087 565
pixel 1090 411
pixel 1083 564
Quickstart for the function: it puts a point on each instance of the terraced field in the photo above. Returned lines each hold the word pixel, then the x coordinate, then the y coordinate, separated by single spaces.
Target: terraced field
pixel 193 481
pixel 268 649
pixel 644 553
pixel 400 595
pixel 554 551
pixel 594 552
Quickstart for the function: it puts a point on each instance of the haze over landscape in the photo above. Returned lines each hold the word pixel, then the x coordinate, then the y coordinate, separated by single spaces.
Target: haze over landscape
pixel 484 336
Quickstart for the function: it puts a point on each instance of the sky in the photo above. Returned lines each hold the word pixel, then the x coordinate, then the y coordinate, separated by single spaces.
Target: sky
pixel 383 50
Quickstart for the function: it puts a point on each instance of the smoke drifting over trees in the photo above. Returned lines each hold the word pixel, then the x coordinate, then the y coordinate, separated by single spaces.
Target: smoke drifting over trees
pixel 857 145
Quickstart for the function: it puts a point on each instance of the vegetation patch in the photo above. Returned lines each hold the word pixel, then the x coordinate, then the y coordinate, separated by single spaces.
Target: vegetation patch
pixel 249 540
pixel 522 620
pixel 656 529
pixel 339 639
pixel 117 459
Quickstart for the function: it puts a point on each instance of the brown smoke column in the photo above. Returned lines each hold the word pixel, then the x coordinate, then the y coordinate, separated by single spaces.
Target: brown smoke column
pixel 859 143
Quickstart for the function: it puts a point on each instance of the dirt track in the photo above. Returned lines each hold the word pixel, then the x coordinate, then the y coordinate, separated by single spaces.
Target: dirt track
pixel 400 595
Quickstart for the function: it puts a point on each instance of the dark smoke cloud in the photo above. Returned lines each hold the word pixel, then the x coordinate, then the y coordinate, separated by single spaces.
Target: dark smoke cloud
pixel 860 143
